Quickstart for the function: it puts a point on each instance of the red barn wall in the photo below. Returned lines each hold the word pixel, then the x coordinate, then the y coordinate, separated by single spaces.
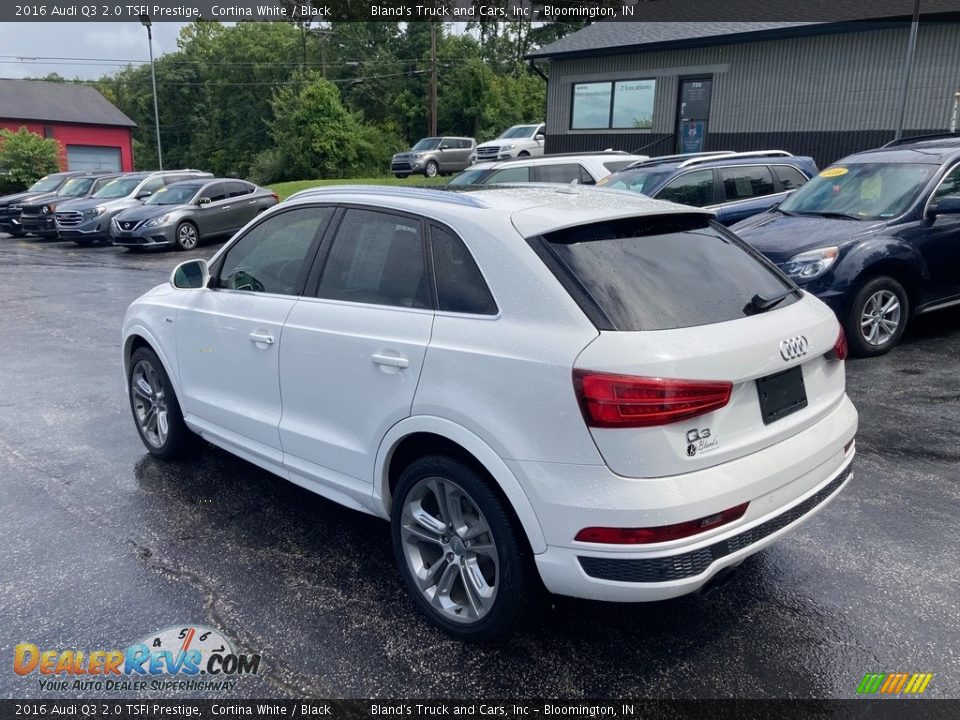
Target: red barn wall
pixel 67 134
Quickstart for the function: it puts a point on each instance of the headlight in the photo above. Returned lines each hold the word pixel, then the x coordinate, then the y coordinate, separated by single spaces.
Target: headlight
pixel 811 264
pixel 157 221
pixel 511 146
pixel 95 212
pixel 15 208
pixel 47 209
pixel 418 155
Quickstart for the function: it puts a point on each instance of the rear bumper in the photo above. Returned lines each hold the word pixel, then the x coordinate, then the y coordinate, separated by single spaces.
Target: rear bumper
pixel 785 484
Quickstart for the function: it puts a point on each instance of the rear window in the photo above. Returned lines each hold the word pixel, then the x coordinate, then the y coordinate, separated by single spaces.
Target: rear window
pixel 661 273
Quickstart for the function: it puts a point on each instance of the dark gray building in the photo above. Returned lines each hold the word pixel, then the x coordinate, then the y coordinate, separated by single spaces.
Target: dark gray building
pixel 820 89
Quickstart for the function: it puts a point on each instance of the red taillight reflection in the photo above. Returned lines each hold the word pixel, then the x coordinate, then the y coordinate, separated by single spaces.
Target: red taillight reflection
pixel 628 401
pixel 840 351
pixel 663 533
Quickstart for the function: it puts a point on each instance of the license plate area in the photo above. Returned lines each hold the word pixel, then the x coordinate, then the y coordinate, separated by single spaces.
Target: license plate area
pixel 781 394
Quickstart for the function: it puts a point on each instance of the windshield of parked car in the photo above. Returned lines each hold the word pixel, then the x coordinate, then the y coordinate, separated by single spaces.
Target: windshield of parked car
pixel 860 191
pixel 46 184
pixel 519 131
pixel 75 187
pixel 118 188
pixel 427 144
pixel 639 180
pixel 178 194
pixel 470 177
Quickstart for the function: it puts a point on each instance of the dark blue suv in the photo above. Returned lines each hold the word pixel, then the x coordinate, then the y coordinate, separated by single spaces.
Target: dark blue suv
pixel 876 236
pixel 734 185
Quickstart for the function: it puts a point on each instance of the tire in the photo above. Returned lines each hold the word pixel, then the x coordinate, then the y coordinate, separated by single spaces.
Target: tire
pixel 884 306
pixel 523 153
pixel 431 169
pixel 188 237
pixel 471 613
pixel 401 176
pixel 157 400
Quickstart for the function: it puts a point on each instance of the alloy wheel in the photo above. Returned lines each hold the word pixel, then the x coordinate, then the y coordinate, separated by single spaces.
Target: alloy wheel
pixel 880 317
pixel 450 550
pixel 149 403
pixel 187 236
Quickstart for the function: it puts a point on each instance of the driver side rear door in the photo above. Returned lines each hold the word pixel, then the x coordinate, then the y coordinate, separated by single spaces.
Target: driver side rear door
pixel 228 335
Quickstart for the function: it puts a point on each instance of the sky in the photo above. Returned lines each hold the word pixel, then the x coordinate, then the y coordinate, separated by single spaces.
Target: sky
pixel 111 41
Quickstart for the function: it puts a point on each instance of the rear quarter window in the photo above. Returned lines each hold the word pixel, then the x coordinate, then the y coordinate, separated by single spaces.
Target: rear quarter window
pixel 661 272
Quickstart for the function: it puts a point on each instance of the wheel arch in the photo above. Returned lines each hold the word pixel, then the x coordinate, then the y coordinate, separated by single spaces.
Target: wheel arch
pixel 139 336
pixel 886 257
pixel 422 435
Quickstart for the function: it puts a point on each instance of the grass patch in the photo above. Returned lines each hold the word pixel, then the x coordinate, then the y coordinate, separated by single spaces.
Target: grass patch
pixel 286 189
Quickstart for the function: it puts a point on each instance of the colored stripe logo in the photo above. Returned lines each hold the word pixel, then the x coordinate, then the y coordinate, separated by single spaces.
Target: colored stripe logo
pixel 894 683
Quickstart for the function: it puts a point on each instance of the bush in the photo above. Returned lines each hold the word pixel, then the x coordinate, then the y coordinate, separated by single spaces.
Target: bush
pixel 25 158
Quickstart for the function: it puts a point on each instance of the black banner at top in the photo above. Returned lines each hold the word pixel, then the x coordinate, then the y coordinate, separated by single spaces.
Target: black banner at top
pixel 316 11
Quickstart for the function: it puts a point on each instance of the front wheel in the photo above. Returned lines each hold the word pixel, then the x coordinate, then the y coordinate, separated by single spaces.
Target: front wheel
pixel 156 410
pixel 187 236
pixel 431 169
pixel 461 558
pixel 877 317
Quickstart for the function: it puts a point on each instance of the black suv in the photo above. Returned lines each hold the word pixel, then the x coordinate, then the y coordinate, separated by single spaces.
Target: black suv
pixel 876 236
pixel 11 205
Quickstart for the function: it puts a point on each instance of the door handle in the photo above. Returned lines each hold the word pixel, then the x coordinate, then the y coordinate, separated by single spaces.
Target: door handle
pixel 226 207
pixel 390 360
pixel 261 338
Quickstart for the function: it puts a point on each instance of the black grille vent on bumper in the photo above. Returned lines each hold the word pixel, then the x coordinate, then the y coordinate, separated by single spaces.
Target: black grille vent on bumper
pixel 690 564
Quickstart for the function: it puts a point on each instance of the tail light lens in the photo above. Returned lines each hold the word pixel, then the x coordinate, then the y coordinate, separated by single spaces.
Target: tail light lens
pixel 663 533
pixel 622 401
pixel 840 351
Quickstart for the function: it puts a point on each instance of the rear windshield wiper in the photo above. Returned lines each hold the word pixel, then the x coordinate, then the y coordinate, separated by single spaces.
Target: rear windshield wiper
pixel 759 304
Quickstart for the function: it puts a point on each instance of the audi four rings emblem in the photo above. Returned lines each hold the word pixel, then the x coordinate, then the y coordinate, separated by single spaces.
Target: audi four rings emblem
pixel 792 348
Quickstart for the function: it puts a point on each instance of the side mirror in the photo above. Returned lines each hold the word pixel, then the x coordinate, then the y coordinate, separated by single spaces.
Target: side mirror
pixel 444 147
pixel 190 275
pixel 144 194
pixel 539 137
pixel 949 205
pixel 203 201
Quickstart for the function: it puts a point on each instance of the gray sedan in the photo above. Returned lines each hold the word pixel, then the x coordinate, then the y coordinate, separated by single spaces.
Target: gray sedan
pixel 184 213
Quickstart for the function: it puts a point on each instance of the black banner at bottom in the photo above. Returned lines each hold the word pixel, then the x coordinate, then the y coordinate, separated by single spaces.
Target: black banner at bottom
pixel 892 709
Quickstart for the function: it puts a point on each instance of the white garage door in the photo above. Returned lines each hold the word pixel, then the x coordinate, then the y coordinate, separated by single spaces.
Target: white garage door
pixel 92 157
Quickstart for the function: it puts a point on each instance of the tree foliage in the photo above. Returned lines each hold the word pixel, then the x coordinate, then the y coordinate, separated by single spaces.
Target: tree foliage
pixel 25 158
pixel 300 100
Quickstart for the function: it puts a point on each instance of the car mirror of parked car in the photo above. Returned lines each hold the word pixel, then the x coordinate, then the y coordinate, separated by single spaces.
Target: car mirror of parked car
pixel 144 195
pixel 539 137
pixel 203 201
pixel 190 275
pixel 949 205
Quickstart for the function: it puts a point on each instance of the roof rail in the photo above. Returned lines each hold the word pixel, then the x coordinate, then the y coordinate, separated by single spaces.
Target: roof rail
pixel 920 138
pixel 663 159
pixel 607 152
pixel 452 198
pixel 733 155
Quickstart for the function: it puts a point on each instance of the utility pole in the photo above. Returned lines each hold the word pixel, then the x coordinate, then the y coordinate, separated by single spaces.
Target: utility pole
pixel 908 69
pixel 145 21
pixel 433 78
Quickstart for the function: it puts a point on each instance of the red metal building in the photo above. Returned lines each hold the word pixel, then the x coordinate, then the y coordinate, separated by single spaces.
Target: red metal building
pixel 94 134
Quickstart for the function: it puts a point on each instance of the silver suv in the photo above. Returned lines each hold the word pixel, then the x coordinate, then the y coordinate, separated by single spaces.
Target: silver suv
pixel 434 156
pixel 517 141
pixel 87 220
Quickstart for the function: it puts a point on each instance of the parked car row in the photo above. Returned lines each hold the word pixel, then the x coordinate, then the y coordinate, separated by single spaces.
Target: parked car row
pixel 139 210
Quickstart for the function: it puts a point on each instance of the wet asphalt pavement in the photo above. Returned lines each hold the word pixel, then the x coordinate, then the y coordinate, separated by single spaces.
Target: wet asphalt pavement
pixel 103 544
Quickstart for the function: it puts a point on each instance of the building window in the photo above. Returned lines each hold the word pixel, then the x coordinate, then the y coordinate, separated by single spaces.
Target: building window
pixel 619 105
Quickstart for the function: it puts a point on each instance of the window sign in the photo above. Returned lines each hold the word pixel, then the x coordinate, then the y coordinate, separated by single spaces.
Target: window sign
pixel 624 104
pixel 591 106
pixel 633 104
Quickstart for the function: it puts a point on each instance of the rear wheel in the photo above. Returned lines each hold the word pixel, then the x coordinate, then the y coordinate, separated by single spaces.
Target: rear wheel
pixel 187 236
pixel 461 559
pixel 156 410
pixel 877 317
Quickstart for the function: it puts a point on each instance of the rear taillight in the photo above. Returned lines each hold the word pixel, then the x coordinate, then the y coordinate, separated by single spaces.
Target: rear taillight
pixel 839 350
pixel 619 401
pixel 663 533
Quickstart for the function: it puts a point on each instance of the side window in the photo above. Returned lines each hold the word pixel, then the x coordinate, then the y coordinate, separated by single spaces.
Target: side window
pixel 585 177
pixel 559 173
pixel 790 178
pixel 271 257
pixel 236 189
pixel 693 188
pixel 215 191
pixel 949 186
pixel 460 286
pixel 151 185
pixel 740 183
pixel 376 258
pixel 509 175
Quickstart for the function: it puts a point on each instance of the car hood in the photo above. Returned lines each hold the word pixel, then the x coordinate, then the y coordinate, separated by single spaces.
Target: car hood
pixel 407 154
pixel 40 198
pixel 780 236
pixel 87 203
pixel 146 212
pixel 19 198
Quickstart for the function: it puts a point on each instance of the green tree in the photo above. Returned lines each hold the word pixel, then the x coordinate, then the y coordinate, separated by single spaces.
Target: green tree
pixel 26 157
